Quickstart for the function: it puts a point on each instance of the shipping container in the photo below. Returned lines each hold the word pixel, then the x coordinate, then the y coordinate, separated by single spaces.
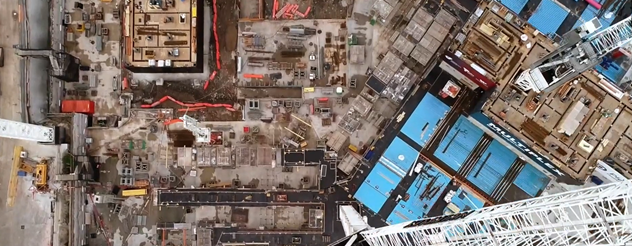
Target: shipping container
pixel 77 106
pixel 136 192
pixel 369 155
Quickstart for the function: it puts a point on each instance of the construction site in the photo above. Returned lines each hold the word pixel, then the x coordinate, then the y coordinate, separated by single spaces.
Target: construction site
pixel 274 122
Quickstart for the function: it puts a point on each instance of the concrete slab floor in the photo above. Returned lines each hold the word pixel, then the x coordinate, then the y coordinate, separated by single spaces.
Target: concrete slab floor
pixel 547 117
pixel 255 218
pixel 104 64
pixel 271 39
pixel 276 129
pixel 29 221
pixel 367 36
pixel 120 225
pixel 268 177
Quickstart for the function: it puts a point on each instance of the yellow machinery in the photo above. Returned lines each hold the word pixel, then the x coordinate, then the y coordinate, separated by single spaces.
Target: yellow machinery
pixel 135 192
pixel 41 175
pixel 353 148
pixel 39 171
pixel 13 180
pixel 80 27
pixel 218 185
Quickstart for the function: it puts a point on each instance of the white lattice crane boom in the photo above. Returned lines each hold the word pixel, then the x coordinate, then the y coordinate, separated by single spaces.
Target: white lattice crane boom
pixel 598 215
pixel 579 52
pixel 25 131
pixel 202 134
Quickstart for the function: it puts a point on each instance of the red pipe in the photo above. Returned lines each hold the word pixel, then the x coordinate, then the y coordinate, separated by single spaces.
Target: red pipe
pixel 125 84
pixel 307 11
pixel 210 78
pixel 594 4
pixel 219 64
pixel 172 121
pixel 208 105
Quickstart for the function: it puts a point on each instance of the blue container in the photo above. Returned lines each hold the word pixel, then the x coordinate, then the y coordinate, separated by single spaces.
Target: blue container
pixel 21 174
pixel 368 155
pixel 596 180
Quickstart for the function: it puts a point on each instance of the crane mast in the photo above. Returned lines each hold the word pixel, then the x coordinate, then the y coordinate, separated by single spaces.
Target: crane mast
pixel 202 134
pixel 600 215
pixel 580 52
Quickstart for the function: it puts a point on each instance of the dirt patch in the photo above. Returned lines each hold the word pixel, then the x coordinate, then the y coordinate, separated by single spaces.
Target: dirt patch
pixel 227 20
pixel 216 93
pixel 181 138
pixel 329 9
pixel 214 114
pixel 190 92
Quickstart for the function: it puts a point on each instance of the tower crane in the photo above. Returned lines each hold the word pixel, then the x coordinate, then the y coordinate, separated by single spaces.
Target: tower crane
pixel 581 50
pixel 28 132
pixel 599 215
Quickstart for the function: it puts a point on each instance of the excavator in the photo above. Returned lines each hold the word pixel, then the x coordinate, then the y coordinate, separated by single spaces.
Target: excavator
pixel 38 170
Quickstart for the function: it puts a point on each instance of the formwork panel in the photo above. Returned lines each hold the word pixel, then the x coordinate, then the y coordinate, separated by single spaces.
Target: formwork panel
pixel 431 44
pixel 403 45
pixel 445 19
pixel 421 55
pixel 415 31
pixel 437 31
pixel 422 18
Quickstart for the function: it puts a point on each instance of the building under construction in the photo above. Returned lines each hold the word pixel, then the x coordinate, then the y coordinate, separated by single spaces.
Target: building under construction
pixel 400 110
pixel 163 36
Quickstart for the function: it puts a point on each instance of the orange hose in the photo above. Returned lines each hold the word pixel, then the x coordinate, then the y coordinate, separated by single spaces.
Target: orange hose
pixel 172 122
pixel 20 13
pixel 217 58
pixel 163 237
